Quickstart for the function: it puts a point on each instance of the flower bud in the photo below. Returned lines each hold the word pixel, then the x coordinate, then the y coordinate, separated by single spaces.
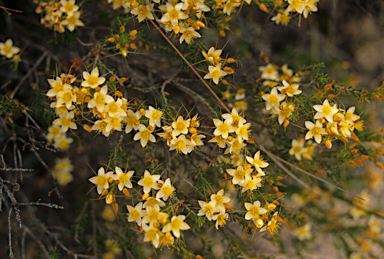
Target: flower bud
pixel 126 192
pixel 230 138
pixel 176 30
pixel 98 89
pixel 192 130
pixel 104 115
pixel 84 90
pixel 328 144
pixel 322 120
pixel 104 192
pixel 156 225
pixel 150 127
pixel 119 94
pixel 87 128
pixel 231 60
pixel 133 46
pixel 142 112
pixel 109 198
pixel 200 24
pixel 286 123
pixel 145 196
pixel 110 180
pixel 116 207
pixel 111 39
pixel 229 70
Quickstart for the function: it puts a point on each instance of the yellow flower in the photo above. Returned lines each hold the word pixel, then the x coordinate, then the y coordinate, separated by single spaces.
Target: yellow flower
pixel 57 87
pixel 289 89
pixel 251 183
pixel 215 73
pixel 154 116
pixel 238 175
pixel 254 211
pixel 207 209
pixel 166 190
pixel 65 121
pixel 258 162
pixel 152 234
pixel 188 34
pixel 297 148
pixel 181 144
pixel 223 128
pixel 304 232
pixel 177 223
pixel 315 131
pixel 68 7
pixel 123 178
pixel 144 135
pixel 143 12
pixel 7 49
pixel 180 126
pixel 221 219
pixel 92 80
pixel 149 182
pixel 100 99
pixel 213 55
pixel 101 180
pixel 325 110
pixel 174 14
pixel 132 121
pixel 269 72
pixel 66 97
pixel 63 143
pixel 73 21
pixel 273 99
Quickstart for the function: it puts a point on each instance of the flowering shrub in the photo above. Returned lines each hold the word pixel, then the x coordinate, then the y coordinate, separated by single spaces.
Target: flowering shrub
pixel 186 140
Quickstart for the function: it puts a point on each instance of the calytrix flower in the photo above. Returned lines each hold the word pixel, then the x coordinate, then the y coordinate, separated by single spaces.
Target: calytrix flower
pixel 124 179
pixel 215 73
pixel 177 223
pixel 101 180
pixel 144 135
pixel 315 131
pixel 92 80
pixel 149 182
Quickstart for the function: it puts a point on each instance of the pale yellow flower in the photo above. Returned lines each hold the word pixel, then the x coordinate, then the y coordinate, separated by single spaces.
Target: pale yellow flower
pixel 132 121
pixel 188 34
pixel 180 126
pixel 143 12
pixel 123 178
pixel 177 223
pixel 66 121
pixel 57 87
pixel 92 80
pixel 325 110
pixel 66 97
pixel 315 131
pixel 173 14
pixel 73 21
pixel 152 234
pixel 221 219
pixel 258 162
pixel 63 143
pixel 213 55
pixel 68 7
pixel 101 180
pixel 273 99
pixel 181 145
pixel 166 190
pixel 289 89
pixel 215 73
pixel 7 49
pixel 149 182
pixel 297 148
pixel 144 135
pixel 154 116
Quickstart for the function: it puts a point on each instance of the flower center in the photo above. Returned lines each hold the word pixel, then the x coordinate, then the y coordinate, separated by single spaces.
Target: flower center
pixel 219 200
pixel 114 122
pixel 223 128
pixel 316 131
pixel 180 126
pixel 270 70
pixel 123 178
pixel 273 99
pixel 250 184
pixel 145 134
pixel 99 99
pixel 215 73
pixel 113 108
pixel 254 211
pixel 297 149
pixel 155 115
pixel 101 181
pixel 173 14
pixel 208 209
pixel 326 110
pixel 243 131
pixel 65 122
pixel 67 97
pixel 55 131
pixel 72 20
pixel 180 144
pixel 142 11
pixel 68 7
pixel 152 234
pixel 148 181
pixel 175 224
pixel 239 174
pixel 7 49
pixel 58 87
pixel 167 190
pixel 63 144
pixel 152 215
pixel 92 80
pixel 135 214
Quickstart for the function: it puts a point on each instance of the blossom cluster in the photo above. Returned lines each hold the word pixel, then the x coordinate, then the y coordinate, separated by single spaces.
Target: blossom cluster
pixel 182 135
pixel 302 7
pixel 215 71
pixel 59 14
pixel 62 171
pixel 150 213
pixel 332 121
pixel 7 49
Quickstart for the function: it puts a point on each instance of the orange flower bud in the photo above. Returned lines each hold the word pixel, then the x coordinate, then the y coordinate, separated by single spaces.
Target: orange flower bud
pixel 117 36
pixel 261 94
pixel 189 20
pixel 87 99
pixel 137 123
pixel 116 207
pixel 150 127
pixel 122 80
pixel 145 196
pixel 104 192
pixel 364 157
pixel 133 37
pixel 111 39
pixel 328 144
pixel 104 115
pixel 159 185
pixel 380 150
pixel 200 24
pixel 142 112
pixel 87 128
pixel 118 45
pixel 109 198
pixel 263 8
pixel 286 123
pixel 110 180
pixel 322 120
pixel 229 70
pixel 230 138
pixel 119 94
pixel 331 96
pixel 133 46
pixel 126 192
pixel 98 89
pixel 231 60
pixel 222 33
pixel 379 165
pixel 176 30
pixel 196 27
pixel 377 97
pixel 156 225
pixel 122 29
pixel 271 206
pixel 168 235
pixel 192 130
